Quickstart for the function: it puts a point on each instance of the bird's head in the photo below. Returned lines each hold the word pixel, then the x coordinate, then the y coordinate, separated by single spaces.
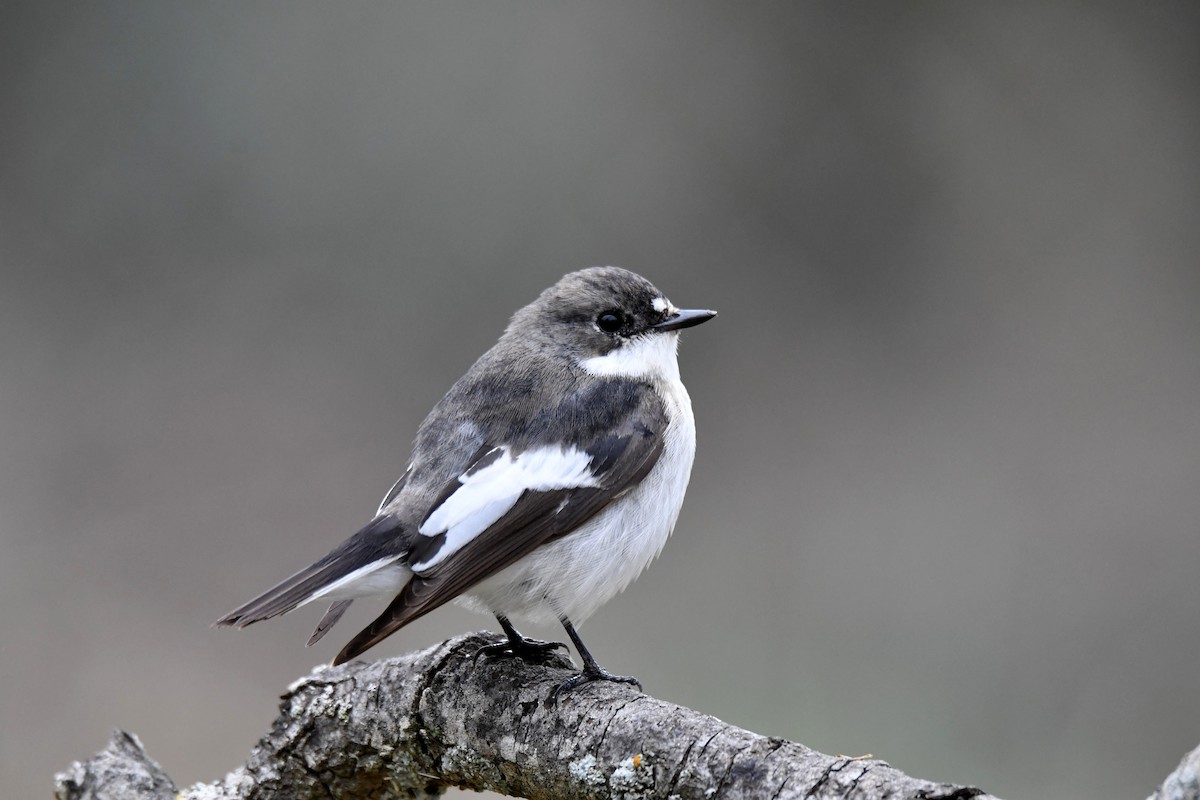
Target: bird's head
pixel 610 321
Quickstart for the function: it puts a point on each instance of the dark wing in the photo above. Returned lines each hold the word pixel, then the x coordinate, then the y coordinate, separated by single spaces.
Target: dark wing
pixel 512 499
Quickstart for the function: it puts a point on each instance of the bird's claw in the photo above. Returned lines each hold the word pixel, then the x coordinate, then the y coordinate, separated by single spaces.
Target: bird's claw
pixel 530 650
pixel 575 681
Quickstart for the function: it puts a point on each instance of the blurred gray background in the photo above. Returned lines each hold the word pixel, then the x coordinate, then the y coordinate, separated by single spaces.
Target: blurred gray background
pixel 945 508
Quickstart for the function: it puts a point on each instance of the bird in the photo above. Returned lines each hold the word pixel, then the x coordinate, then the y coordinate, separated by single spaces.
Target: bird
pixel 544 481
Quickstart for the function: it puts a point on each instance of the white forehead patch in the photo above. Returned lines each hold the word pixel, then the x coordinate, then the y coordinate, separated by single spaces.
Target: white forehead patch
pixel 661 304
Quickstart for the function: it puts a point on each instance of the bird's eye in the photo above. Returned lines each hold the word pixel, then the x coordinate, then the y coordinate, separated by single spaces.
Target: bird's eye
pixel 610 321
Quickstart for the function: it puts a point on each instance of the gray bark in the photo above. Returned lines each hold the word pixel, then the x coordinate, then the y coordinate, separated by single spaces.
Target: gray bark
pixel 412 725
pixel 1184 782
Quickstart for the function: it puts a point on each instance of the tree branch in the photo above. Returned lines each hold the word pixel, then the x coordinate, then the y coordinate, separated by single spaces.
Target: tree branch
pixel 1184 782
pixel 412 725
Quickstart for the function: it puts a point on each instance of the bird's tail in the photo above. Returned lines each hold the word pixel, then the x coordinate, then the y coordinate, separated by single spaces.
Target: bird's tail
pixel 368 563
pixel 328 621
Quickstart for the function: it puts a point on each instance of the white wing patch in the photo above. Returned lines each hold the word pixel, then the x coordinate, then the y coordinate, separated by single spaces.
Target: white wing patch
pixel 487 494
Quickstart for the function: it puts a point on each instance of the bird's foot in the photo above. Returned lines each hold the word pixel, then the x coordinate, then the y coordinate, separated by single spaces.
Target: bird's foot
pixel 587 676
pixel 533 651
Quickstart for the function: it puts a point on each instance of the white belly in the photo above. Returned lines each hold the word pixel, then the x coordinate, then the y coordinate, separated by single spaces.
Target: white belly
pixel 575 575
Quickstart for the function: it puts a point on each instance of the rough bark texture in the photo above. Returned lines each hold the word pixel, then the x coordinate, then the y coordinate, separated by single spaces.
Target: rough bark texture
pixel 410 726
pixel 1184 782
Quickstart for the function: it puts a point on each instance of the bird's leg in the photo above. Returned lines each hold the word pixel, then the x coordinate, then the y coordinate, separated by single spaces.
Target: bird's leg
pixel 591 670
pixel 533 650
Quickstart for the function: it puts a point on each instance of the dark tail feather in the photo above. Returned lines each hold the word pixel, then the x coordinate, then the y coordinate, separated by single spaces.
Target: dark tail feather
pixel 328 621
pixel 283 597
pixel 379 539
pixel 419 597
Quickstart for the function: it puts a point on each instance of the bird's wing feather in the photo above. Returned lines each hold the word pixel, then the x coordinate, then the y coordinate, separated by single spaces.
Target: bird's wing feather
pixel 511 500
pixel 397 487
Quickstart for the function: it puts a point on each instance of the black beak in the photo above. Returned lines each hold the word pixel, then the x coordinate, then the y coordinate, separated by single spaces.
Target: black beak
pixel 684 319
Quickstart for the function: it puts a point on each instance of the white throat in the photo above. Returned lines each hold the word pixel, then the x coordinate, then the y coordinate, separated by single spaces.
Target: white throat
pixel 651 355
